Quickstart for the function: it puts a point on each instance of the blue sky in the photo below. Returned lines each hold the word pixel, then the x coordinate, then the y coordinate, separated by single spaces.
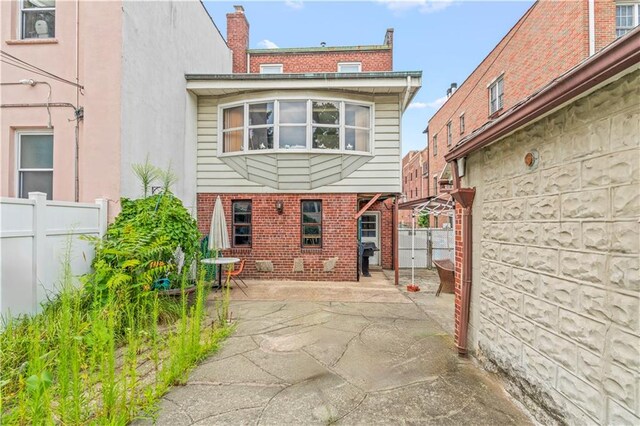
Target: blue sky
pixel 445 39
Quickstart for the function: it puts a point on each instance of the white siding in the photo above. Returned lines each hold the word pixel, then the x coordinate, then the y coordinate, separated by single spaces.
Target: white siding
pixel 302 172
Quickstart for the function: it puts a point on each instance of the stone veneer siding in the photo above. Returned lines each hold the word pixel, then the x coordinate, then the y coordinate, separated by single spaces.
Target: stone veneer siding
pixel 556 275
pixel 276 237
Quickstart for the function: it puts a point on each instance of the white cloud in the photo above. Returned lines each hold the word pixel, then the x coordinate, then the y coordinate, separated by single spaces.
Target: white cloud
pixel 423 6
pixel 294 4
pixel 433 104
pixel 267 44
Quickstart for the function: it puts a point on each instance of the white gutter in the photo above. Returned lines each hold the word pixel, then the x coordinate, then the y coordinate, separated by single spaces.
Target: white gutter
pixel 592 28
pixel 405 101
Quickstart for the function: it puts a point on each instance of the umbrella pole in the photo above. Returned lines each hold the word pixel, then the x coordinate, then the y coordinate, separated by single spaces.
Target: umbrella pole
pixel 413 242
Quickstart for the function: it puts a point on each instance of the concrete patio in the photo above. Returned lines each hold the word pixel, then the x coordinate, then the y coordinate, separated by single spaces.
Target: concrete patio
pixel 346 353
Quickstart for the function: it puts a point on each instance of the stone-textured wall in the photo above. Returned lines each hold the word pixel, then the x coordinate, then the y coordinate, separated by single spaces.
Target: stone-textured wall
pixel 556 275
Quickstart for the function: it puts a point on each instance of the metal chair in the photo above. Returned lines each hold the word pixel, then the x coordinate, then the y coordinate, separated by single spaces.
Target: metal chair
pixel 234 274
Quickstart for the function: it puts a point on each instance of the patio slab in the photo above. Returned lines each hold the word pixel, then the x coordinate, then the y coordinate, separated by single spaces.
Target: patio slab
pixel 319 361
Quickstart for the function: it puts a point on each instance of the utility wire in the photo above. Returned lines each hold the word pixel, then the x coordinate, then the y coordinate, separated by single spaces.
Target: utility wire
pixel 15 61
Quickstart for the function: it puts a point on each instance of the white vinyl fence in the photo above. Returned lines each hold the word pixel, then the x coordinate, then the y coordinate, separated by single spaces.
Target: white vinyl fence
pixel 430 244
pixel 34 236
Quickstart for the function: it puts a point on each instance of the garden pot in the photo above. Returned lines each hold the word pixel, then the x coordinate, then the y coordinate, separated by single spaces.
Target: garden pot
pixel 413 288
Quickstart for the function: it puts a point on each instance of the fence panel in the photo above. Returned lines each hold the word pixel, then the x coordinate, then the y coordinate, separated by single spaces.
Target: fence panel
pixel 34 236
pixel 430 244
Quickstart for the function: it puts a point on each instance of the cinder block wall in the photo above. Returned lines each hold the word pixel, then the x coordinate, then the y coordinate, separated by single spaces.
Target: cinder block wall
pixel 556 265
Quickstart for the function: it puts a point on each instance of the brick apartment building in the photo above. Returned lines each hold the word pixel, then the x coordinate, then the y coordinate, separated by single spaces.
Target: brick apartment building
pixel 279 190
pixel 415 181
pixel 549 39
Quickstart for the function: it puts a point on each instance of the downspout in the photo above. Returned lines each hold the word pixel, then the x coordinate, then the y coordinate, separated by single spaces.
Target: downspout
pixel 592 28
pixel 464 197
pixel 394 240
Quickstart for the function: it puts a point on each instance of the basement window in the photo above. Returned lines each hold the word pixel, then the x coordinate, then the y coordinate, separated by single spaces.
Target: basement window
pixel 37 19
pixel 241 223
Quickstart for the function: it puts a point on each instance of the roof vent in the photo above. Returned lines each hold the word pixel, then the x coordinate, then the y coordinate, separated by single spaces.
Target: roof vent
pixel 238 8
pixel 323 43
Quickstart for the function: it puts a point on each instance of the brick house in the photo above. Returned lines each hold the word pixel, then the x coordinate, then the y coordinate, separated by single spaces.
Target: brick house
pixel 549 39
pixel 547 242
pixel 303 146
pixel 415 182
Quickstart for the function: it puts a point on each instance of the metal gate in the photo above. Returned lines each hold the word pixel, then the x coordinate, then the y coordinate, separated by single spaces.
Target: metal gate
pixel 430 244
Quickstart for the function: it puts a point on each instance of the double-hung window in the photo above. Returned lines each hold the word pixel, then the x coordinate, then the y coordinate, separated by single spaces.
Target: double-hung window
pixel 349 66
pixel 271 69
pixel 435 145
pixel 325 117
pixel 627 16
pixel 241 223
pixel 496 92
pixel 293 125
pixel 37 19
pixel 311 224
pixel 233 129
pixel 261 126
pixel 449 134
pixel 35 163
pixel 462 123
pixel 356 127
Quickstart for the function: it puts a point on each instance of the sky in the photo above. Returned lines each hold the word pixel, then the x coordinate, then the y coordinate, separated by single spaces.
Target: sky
pixel 445 39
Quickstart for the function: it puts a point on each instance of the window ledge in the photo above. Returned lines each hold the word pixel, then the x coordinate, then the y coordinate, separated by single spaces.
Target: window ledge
pixel 33 41
pixel 311 250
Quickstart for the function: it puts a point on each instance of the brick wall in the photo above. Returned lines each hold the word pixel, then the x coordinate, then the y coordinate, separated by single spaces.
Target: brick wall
pixel 374 60
pixel 556 257
pixel 238 39
pixel 549 40
pixel 276 237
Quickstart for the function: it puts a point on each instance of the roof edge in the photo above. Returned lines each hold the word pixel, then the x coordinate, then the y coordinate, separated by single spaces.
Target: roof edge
pixel 320 49
pixel 306 76
pixel 619 56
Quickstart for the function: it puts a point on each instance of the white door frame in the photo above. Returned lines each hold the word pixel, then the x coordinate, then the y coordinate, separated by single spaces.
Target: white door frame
pixel 374 260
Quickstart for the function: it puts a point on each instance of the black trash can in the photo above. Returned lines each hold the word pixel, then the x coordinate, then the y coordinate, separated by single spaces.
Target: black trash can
pixel 366 250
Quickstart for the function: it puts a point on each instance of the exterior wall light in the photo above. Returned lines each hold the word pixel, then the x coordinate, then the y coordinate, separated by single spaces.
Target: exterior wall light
pixel 531 159
pixel 279 206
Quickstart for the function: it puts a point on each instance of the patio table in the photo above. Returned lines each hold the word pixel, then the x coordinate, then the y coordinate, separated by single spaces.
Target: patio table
pixel 220 261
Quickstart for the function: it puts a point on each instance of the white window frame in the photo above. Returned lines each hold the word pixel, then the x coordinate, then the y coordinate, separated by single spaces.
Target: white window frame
pixel 635 16
pixel 499 103
pixel 349 64
pixel 462 124
pixel 449 133
pixel 20 25
pixel 19 170
pixel 279 68
pixel 308 126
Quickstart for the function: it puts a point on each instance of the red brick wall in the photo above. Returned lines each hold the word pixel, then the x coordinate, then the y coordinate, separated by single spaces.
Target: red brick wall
pixel 238 40
pixel 458 273
pixel 386 230
pixel 374 60
pixel 547 42
pixel 277 237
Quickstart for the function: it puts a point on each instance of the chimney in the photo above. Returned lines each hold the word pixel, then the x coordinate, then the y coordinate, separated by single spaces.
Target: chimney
pixel 238 38
pixel 448 92
pixel 454 87
pixel 388 37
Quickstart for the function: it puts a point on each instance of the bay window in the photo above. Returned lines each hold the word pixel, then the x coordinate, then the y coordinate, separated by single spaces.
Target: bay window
pixel 296 124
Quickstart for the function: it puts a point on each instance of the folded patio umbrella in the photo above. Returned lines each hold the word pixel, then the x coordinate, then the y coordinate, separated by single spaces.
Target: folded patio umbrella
pixel 218 235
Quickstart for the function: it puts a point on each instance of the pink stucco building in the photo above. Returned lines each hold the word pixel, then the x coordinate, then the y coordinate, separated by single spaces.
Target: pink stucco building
pixel 89 89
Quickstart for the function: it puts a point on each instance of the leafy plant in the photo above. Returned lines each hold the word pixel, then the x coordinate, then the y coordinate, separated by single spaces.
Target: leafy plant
pixel 423 220
pixel 147 173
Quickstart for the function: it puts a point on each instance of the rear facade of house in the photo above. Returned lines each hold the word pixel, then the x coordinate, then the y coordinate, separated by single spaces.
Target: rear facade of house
pixel 296 142
pixel 549 39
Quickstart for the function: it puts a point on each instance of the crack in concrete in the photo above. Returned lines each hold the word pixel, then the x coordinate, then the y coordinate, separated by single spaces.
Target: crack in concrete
pixel 213 416
pixel 260 367
pixel 250 384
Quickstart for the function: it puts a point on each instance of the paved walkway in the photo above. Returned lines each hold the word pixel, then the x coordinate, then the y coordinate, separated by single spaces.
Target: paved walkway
pixel 322 361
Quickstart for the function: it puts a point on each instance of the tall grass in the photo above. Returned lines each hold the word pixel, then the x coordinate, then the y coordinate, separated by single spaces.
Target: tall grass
pixel 86 360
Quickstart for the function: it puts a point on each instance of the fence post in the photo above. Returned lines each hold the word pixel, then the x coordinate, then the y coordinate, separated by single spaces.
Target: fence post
pixel 103 216
pixel 39 240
